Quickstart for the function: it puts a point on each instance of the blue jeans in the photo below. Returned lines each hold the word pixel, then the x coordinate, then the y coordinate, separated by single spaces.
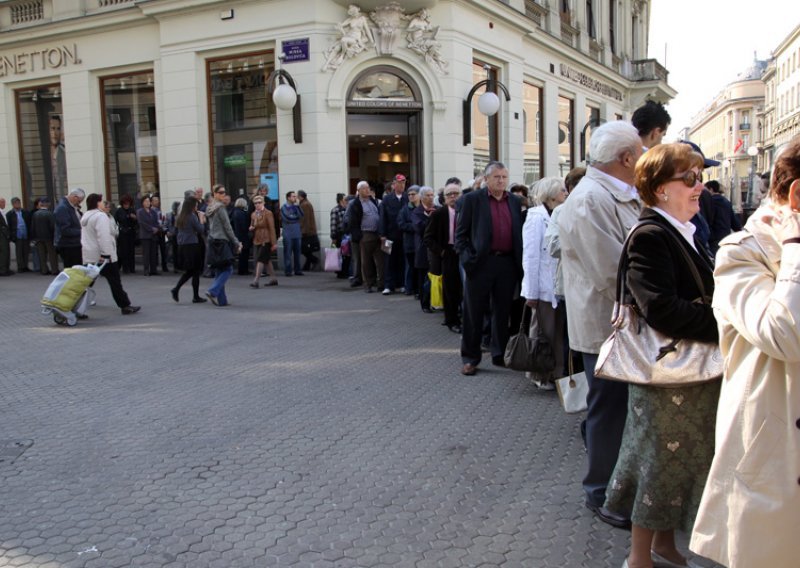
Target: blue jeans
pixel 217 288
pixel 291 249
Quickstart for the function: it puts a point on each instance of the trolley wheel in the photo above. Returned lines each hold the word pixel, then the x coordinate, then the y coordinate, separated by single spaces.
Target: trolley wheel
pixel 72 322
pixel 59 319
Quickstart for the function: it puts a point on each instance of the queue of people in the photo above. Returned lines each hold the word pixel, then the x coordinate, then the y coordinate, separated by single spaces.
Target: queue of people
pixel 717 458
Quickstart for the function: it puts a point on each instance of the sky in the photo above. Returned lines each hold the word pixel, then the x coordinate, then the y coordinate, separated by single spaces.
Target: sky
pixel 709 42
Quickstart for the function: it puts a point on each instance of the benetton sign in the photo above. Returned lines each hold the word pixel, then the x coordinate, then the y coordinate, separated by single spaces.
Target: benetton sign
pixel 37 60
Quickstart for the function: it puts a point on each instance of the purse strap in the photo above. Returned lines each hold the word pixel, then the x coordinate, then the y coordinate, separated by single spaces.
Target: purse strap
pixel 622 267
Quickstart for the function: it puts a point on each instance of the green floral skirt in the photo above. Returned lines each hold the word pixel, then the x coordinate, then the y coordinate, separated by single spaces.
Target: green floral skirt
pixel 666 452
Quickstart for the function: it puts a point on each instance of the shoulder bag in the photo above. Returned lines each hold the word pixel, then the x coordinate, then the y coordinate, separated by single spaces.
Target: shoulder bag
pixel 638 354
pixel 220 254
pixel 526 354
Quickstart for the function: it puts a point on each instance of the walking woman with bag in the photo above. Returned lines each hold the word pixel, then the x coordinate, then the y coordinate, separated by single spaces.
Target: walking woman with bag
pixel 668 442
pixel 750 512
pixel 223 244
pixel 189 236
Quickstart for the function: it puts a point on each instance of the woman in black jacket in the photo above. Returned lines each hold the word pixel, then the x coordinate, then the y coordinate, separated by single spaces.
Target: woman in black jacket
pixel 125 216
pixel 668 442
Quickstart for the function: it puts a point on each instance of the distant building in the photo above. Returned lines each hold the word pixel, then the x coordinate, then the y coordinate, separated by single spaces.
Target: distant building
pixel 781 114
pixel 726 129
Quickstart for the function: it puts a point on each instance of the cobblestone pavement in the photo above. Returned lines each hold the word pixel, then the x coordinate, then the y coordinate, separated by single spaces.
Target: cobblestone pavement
pixel 307 424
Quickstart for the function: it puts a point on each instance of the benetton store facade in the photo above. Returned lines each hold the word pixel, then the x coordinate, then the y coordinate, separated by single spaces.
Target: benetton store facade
pixel 122 96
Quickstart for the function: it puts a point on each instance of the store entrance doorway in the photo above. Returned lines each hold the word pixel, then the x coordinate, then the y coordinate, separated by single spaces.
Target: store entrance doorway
pixel 384 128
pixel 381 145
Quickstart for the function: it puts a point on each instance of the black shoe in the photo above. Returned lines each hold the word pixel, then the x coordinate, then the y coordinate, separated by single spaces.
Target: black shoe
pixel 299 274
pixel 128 310
pixel 427 310
pixel 212 298
pixel 497 361
pixel 455 328
pixel 356 283
pixel 609 517
pixel 82 317
pixel 199 300
pixel 174 293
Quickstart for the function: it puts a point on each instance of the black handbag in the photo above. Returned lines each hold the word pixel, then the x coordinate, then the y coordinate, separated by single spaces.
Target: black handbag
pixel 220 255
pixel 526 354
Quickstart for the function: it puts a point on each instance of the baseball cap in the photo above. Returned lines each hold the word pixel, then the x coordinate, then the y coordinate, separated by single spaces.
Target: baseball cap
pixel 399 177
pixel 707 162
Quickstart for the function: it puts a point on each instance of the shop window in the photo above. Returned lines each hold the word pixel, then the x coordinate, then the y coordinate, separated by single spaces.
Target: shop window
pixel 533 157
pixel 484 128
pixel 566 116
pixel 242 124
pixel 43 161
pixel 129 108
pixel 592 122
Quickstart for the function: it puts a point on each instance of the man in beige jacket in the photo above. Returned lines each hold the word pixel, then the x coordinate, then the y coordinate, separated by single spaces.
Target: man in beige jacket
pixel 592 225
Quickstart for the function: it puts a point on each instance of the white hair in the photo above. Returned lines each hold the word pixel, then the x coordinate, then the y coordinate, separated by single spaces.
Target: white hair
pixel 546 189
pixel 361 184
pixel 611 140
pixel 77 191
pixel 425 190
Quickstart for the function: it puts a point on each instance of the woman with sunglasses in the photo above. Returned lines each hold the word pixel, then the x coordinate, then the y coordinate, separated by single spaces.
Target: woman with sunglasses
pixel 219 229
pixel 668 442
pixel 750 512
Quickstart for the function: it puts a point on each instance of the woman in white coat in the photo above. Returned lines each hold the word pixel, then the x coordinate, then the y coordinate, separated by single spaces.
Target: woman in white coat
pixel 750 511
pixel 539 268
pixel 99 242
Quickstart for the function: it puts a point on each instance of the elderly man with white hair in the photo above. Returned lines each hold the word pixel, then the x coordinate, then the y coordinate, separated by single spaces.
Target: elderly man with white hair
pixel 68 227
pixel 364 225
pixel 592 226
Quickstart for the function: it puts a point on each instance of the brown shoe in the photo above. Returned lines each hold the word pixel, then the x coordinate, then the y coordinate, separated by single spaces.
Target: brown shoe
pixel 469 369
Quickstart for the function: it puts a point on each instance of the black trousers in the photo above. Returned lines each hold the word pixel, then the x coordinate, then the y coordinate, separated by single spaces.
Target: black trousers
pixel 126 251
pixel 111 273
pixel 149 256
pixel 452 288
pixel 309 244
pixel 395 266
pixel 70 256
pixel 162 249
pixel 424 288
pixel 488 290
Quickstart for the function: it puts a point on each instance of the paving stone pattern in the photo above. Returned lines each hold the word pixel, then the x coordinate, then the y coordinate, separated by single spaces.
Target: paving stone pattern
pixel 306 425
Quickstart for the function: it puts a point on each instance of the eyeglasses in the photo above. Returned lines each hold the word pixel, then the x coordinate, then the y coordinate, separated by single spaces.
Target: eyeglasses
pixel 221 192
pixel 690 178
pixel 452 193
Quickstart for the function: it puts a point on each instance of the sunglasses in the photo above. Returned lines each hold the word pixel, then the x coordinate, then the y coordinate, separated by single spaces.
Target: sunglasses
pixel 690 178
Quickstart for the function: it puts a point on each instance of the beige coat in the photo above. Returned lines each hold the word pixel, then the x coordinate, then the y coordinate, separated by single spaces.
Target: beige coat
pixel 749 516
pixel 592 225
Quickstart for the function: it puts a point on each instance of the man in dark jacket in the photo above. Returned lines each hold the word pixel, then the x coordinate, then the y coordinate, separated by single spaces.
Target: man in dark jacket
pixel 68 228
pixel 488 240
pixel 723 220
pixel 391 205
pixel 19 228
pixel 439 238
pixel 43 224
pixel 406 225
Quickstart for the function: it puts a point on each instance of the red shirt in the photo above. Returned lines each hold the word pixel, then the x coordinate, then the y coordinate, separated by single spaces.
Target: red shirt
pixel 501 224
